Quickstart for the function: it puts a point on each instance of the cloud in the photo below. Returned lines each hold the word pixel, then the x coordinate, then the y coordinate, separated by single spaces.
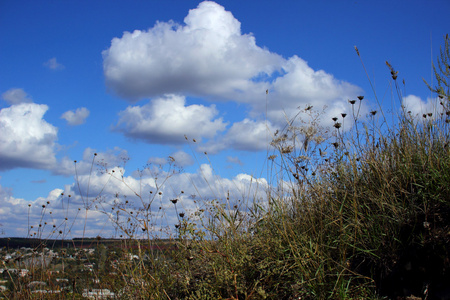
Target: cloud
pixel 16 96
pixel 416 107
pixel 234 160
pixel 76 117
pixel 248 135
pixel 208 56
pixel 92 159
pixel 27 140
pixel 167 120
pixel 182 158
pixel 53 64
pixel 102 189
pixel 301 85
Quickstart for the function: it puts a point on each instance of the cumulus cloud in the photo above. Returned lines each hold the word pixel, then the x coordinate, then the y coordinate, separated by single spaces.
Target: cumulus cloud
pixel 246 135
pixel 54 216
pixel 83 166
pixel 178 158
pixel 76 117
pixel 207 56
pixel 16 96
pixel 27 140
pixel 101 190
pixel 167 120
pixel 417 107
pixel 53 64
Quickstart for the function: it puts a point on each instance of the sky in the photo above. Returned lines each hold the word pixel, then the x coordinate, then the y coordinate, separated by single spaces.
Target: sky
pixel 181 98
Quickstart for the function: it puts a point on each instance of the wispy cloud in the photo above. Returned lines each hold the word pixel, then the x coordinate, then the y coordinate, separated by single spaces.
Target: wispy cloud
pixel 76 117
pixel 53 64
pixel 16 96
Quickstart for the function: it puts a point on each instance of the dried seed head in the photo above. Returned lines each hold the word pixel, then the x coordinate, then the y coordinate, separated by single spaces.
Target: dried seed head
pixel 335 119
pixel 360 98
pixel 352 101
pixel 181 215
pixel 373 112
pixel 337 125
pixel 174 201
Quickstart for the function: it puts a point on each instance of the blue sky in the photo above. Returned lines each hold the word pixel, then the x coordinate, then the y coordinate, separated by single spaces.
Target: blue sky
pixel 132 78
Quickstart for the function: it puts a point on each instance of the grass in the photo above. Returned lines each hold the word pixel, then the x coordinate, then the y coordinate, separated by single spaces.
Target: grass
pixel 358 211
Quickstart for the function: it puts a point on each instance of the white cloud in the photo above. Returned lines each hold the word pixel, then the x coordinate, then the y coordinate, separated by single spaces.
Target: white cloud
pixel 167 120
pixel 417 107
pixel 208 56
pixel 16 96
pixel 99 191
pixel 248 135
pixel 53 64
pixel 76 117
pixel 234 160
pixel 301 85
pixel 27 140
pixel 182 158
pixel 91 158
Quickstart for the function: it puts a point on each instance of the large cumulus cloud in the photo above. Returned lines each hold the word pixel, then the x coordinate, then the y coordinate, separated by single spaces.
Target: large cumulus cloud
pixel 208 56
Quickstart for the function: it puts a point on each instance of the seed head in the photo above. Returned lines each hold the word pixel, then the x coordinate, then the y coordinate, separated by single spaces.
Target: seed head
pixel 360 98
